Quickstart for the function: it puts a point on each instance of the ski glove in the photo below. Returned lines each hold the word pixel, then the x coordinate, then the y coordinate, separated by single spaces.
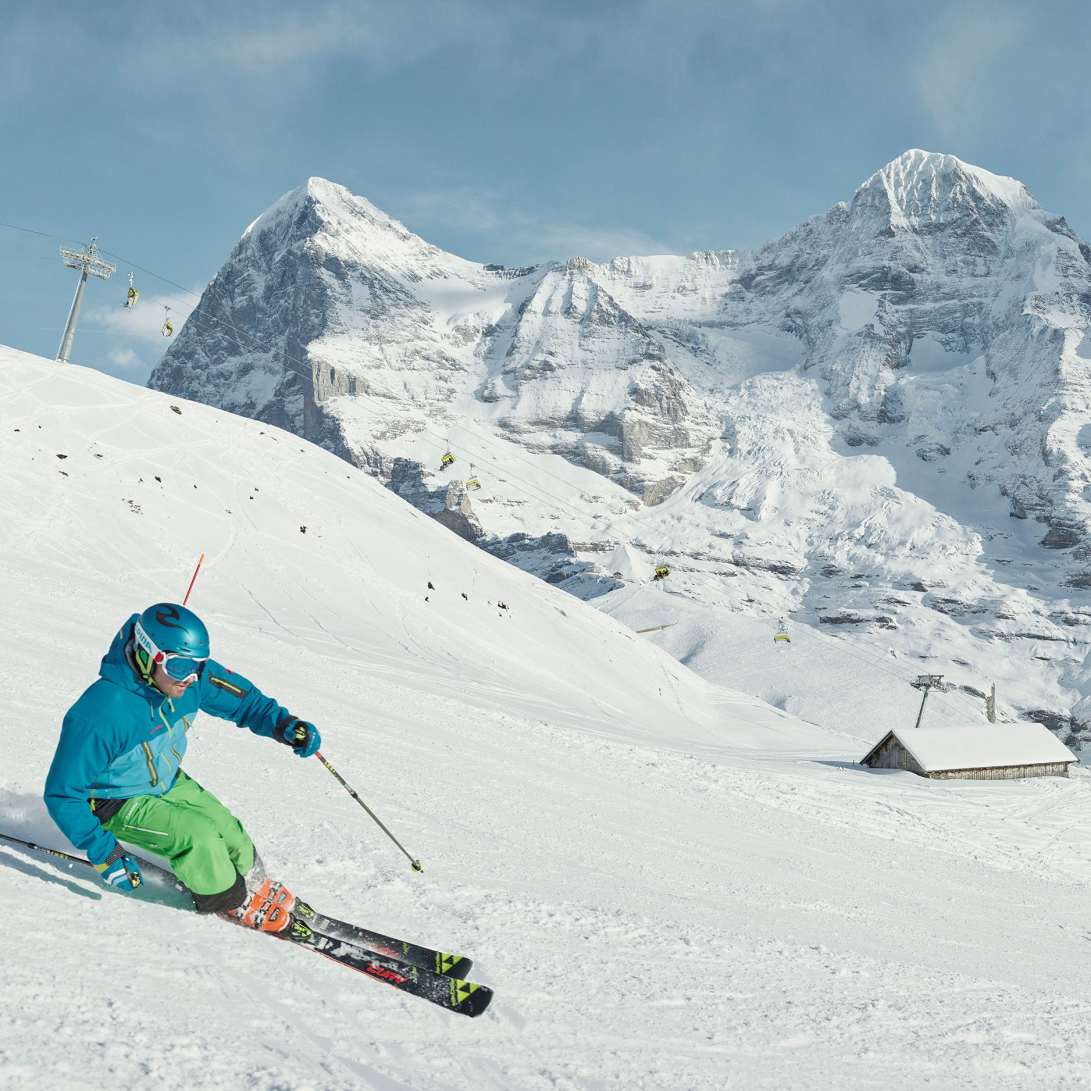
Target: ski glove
pixel 120 870
pixel 301 736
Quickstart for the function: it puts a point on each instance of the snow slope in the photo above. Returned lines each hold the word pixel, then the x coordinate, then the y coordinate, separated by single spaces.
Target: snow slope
pixel 669 885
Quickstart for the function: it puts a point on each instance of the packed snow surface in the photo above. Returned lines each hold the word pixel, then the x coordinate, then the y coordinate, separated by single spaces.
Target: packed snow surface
pixel 671 886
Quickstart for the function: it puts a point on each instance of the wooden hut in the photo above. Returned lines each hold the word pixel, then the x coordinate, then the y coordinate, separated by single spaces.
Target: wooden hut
pixel 975 752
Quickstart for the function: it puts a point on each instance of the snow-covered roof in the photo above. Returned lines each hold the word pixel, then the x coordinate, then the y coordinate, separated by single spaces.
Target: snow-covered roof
pixel 980 746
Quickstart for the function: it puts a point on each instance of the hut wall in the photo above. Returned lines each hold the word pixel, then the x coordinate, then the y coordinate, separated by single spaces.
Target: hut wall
pixel 1004 772
pixel 892 755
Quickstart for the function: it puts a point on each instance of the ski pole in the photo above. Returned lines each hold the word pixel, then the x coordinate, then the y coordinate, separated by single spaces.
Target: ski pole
pixel 41 848
pixel 352 792
pixel 193 579
pixel 134 878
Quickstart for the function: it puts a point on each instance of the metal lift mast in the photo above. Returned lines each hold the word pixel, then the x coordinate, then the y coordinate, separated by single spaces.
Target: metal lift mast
pixel 926 682
pixel 89 265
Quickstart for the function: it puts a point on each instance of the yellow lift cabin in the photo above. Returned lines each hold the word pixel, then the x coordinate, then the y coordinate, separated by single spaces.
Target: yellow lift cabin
pixel 781 635
pixel 662 571
pixel 447 460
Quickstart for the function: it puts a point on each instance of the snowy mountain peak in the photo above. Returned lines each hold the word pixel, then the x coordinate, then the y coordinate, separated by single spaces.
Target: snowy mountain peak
pixel 322 207
pixel 923 189
pixel 876 424
pixel 322 189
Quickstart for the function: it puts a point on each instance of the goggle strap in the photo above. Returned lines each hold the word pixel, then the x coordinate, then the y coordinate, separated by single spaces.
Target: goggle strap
pixel 143 661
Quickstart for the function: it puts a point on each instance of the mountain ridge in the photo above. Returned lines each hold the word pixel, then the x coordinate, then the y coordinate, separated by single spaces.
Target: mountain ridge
pixel 881 399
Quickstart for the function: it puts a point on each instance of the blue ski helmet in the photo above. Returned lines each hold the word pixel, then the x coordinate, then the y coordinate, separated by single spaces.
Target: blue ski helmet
pixel 176 630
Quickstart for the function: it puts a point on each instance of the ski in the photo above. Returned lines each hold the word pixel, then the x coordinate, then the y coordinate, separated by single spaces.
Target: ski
pixel 422 970
pixel 439 962
pixel 464 997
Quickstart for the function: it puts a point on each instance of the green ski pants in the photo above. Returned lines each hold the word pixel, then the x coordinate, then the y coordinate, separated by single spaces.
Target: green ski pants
pixel 205 843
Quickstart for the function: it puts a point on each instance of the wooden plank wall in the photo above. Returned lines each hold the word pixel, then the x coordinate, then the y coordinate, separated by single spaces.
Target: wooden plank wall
pixel 1005 772
pixel 892 755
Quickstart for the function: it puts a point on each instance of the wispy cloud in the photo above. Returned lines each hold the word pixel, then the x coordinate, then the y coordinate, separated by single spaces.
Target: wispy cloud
pixel 962 62
pixel 279 45
pixel 131 342
pixel 143 324
pixel 125 359
pixel 561 240
pixel 504 232
pixel 208 49
pixel 465 208
pixel 275 46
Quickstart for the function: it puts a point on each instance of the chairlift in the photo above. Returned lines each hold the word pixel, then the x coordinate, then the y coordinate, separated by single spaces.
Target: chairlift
pixel 662 571
pixel 781 635
pixel 168 325
pixel 472 482
pixel 132 295
pixel 448 459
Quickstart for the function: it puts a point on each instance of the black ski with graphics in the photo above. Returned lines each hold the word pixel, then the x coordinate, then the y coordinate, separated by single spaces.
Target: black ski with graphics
pixel 434 975
pixel 453 966
pixel 464 997
pixel 439 962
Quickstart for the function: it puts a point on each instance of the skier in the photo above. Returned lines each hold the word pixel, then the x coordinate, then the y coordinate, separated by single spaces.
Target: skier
pixel 116 774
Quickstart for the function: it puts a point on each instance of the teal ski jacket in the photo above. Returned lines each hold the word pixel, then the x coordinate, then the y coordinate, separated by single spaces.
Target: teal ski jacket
pixel 124 738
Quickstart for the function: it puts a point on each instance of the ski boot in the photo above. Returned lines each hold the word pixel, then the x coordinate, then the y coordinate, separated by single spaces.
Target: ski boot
pixel 268 908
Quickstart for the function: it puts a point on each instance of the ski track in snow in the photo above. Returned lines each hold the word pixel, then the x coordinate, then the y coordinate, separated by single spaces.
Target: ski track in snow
pixel 669 885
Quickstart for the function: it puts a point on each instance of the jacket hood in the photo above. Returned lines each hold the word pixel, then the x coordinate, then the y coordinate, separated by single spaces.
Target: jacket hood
pixel 115 666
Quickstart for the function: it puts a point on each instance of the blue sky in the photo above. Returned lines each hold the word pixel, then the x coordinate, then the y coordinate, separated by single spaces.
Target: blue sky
pixel 505 132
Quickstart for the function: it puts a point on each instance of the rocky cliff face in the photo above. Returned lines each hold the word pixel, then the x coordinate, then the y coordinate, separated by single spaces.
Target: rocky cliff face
pixel 326 297
pixel 937 266
pixel 877 424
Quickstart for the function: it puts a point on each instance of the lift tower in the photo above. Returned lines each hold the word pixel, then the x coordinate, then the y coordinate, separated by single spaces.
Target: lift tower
pixel 88 264
pixel 926 682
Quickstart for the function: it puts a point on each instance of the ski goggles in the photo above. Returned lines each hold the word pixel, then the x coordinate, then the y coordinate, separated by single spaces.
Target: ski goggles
pixel 177 665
